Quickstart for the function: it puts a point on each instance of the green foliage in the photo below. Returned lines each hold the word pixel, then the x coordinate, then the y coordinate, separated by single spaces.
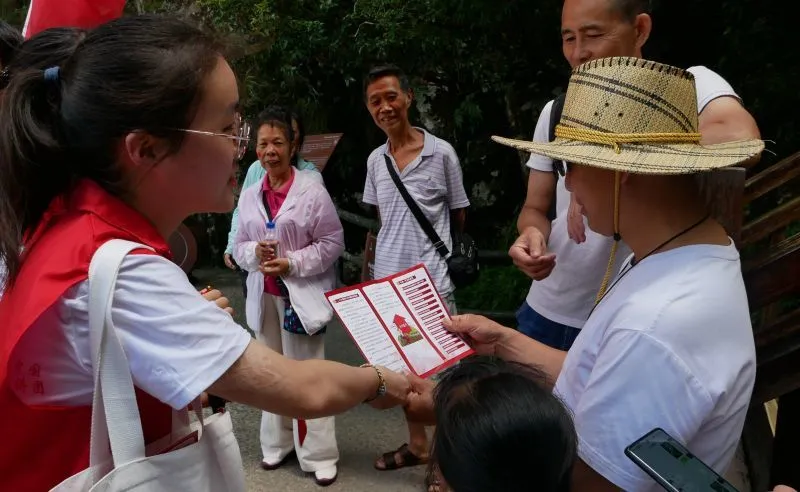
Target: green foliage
pixel 13 12
pixel 468 67
pixel 478 68
pixel 500 288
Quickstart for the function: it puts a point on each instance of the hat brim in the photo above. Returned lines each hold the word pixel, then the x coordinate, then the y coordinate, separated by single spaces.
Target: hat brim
pixel 643 158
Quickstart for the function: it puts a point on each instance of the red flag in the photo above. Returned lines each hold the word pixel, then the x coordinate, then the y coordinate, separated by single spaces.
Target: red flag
pixel 44 14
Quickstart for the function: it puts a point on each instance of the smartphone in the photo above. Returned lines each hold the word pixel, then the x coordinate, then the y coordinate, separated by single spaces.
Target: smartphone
pixel 673 466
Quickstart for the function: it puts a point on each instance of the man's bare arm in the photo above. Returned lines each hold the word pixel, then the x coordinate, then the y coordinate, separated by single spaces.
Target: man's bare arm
pixel 517 347
pixel 725 120
pixel 541 187
pixel 458 217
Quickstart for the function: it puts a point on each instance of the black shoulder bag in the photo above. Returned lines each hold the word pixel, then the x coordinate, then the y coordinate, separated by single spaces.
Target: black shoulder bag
pixel 462 264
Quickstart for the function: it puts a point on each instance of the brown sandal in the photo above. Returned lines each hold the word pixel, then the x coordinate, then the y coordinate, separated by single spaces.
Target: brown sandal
pixel 408 459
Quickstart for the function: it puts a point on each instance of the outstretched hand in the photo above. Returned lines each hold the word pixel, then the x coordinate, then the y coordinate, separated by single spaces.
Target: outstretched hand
pixel 397 390
pixel 482 334
pixel 420 408
pixel 529 253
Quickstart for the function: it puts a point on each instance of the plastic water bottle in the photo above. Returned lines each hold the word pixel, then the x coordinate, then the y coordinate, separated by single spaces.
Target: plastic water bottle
pixel 272 238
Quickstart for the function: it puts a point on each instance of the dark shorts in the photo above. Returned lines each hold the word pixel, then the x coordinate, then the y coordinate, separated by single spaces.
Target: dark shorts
pixel 544 330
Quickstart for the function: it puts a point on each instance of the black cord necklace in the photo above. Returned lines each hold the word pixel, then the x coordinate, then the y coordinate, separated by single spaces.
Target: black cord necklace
pixel 635 262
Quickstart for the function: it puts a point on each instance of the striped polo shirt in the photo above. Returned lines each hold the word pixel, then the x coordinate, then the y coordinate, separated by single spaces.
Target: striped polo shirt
pixel 434 180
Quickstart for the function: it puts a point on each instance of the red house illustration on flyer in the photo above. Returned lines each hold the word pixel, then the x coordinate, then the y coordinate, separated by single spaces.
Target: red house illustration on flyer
pixel 407 334
pixel 398 322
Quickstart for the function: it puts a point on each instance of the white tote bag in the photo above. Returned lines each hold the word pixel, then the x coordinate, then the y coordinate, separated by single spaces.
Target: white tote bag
pixel 309 301
pixel 212 462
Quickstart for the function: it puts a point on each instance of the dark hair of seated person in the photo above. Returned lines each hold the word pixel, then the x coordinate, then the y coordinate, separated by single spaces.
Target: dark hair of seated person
pixel 500 429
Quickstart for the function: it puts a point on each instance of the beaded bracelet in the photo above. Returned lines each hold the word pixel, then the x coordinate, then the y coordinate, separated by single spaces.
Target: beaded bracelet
pixel 381 384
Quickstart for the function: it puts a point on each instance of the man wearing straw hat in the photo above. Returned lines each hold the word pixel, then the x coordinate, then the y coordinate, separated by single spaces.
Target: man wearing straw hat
pixel 670 343
pixel 561 296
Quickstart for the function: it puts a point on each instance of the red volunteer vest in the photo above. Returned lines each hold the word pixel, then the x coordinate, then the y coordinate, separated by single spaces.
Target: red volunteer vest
pixel 42 446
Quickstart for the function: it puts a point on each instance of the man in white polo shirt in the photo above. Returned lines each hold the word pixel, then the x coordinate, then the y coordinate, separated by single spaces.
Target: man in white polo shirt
pixel 561 297
pixel 430 170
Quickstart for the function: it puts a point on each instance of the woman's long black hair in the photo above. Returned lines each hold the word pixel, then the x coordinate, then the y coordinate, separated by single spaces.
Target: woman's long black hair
pixel 64 123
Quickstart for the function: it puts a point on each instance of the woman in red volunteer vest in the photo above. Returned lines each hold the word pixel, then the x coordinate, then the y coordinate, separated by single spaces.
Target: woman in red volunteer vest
pixel 45 49
pixel 137 130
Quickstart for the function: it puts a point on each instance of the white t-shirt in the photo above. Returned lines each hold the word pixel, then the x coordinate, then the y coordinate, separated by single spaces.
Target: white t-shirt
pixel 670 346
pixel 435 181
pixel 177 343
pixel 567 295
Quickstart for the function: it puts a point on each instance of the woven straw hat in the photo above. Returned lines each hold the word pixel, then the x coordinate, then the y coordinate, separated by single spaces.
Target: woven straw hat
pixel 633 115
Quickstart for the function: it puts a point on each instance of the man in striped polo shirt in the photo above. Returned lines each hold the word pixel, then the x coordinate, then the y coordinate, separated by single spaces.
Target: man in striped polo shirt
pixel 430 170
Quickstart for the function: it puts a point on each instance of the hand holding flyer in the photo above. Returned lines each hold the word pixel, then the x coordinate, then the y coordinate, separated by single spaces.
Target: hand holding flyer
pixel 397 322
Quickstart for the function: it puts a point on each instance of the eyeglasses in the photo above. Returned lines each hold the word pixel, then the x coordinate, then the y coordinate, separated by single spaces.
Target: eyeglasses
pixel 241 137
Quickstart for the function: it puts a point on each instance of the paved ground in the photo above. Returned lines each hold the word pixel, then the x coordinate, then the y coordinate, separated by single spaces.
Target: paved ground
pixel 362 433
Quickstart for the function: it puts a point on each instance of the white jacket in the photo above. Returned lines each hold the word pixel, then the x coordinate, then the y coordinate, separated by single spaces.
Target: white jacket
pixel 310 235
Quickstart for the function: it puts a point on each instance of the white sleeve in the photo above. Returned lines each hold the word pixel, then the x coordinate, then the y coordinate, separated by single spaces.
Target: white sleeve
pixel 632 389
pixel 542 134
pixel 710 85
pixel 370 195
pixel 177 343
pixel 456 195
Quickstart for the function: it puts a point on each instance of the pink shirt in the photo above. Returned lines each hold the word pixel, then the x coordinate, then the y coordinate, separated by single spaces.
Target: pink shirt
pixel 274 199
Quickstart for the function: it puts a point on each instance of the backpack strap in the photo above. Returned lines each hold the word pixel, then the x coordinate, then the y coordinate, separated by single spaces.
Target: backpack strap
pixel 555 117
pixel 555 114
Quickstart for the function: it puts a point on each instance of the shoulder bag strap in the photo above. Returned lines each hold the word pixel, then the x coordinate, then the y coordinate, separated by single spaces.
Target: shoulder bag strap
pixel 415 210
pixel 115 413
pixel 266 204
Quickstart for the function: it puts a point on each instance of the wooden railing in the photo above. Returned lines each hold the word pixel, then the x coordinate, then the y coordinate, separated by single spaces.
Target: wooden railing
pixel 771 269
pixel 772 277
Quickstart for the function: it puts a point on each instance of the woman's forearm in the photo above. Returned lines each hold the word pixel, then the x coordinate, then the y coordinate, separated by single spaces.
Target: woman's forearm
pixel 307 389
pixel 332 388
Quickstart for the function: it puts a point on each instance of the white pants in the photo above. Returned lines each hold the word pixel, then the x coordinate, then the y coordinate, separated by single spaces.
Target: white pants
pixel 279 435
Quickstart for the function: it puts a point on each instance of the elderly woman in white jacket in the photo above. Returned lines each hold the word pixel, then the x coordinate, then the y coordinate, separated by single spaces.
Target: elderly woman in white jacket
pixel 285 304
